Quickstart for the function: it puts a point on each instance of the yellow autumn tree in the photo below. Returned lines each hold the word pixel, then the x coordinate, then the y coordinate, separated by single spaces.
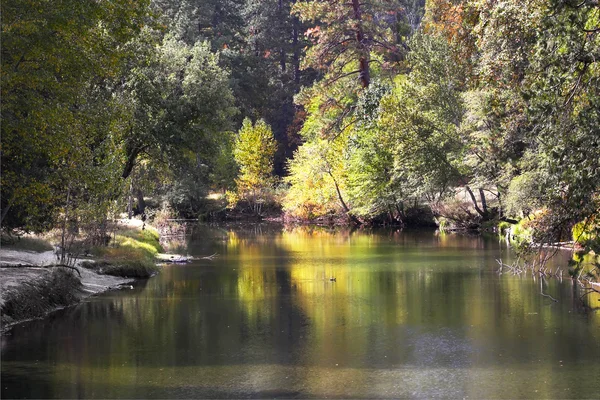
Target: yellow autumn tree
pixel 254 152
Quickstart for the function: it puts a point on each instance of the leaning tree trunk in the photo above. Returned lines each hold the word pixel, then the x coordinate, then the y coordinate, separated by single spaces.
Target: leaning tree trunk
pixel 344 205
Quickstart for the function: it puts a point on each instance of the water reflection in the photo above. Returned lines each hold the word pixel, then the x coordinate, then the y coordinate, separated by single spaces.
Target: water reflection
pixel 409 315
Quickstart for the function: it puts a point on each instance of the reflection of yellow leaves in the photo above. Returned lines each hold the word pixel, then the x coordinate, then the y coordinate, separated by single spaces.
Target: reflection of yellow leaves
pixel 251 284
pixel 233 241
pixel 257 291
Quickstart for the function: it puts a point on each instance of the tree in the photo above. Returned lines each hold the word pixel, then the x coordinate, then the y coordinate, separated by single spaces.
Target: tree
pixel 220 22
pixel 260 44
pixel 225 169
pixel 254 151
pixel 422 115
pixel 562 88
pixel 348 32
pixel 59 63
pixel 274 38
pixel 179 98
pixel 374 187
pixel 315 181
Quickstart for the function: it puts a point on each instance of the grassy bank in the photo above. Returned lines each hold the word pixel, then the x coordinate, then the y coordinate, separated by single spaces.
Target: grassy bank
pixel 132 254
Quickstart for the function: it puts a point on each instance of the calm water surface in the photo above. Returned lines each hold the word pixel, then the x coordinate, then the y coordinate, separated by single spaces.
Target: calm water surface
pixel 410 315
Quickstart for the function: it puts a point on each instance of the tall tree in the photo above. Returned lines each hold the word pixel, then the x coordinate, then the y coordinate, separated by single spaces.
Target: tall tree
pixel 350 32
pixel 179 98
pixel 59 61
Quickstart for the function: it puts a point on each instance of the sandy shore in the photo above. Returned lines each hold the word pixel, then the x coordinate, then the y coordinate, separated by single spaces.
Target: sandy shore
pixel 20 266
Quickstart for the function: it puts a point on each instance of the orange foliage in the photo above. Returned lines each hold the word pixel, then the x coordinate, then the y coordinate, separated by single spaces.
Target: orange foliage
pixel 455 20
pixel 445 17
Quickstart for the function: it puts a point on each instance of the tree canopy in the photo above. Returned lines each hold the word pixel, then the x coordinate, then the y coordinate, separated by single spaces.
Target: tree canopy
pixel 469 112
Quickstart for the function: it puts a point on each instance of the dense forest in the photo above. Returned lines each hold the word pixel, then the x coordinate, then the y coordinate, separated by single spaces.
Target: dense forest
pixel 470 113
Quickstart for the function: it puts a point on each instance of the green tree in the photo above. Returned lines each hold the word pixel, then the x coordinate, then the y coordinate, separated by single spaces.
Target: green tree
pixel 562 89
pixel 225 169
pixel 312 191
pixel 60 61
pixel 422 115
pixel 375 188
pixel 179 98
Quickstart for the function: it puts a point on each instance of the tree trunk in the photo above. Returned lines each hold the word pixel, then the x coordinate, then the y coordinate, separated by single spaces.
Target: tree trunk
pixel 296 47
pixel 129 164
pixel 141 202
pixel 63 250
pixel 130 201
pixel 282 49
pixel 400 210
pixel 483 201
pixel 364 74
pixel 344 205
pixel 4 212
pixel 474 200
pixel 132 155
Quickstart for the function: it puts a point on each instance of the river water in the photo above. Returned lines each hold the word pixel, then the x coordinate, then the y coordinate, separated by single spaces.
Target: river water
pixel 409 315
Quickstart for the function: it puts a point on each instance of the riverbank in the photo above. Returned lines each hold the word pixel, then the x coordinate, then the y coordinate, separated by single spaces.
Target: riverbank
pixel 32 285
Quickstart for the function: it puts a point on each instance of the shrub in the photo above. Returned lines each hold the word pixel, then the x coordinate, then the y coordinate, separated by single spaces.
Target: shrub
pixel 523 231
pixel 504 227
pixel 457 214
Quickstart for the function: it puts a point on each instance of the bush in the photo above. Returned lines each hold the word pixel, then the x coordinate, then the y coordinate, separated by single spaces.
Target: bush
pixel 523 231
pixel 161 217
pixel 455 214
pixel 504 227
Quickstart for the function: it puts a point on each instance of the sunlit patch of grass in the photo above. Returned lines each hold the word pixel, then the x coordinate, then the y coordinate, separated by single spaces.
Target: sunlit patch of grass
pixel 131 254
pixel 146 239
pixel 131 243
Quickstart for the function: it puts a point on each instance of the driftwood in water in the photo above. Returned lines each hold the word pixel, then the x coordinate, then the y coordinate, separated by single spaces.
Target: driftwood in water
pixel 179 259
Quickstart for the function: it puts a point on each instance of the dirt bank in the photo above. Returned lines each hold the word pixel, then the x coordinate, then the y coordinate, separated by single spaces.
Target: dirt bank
pixel 22 270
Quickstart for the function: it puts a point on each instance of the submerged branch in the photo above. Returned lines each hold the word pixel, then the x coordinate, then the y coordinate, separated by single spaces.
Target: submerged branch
pixel 211 257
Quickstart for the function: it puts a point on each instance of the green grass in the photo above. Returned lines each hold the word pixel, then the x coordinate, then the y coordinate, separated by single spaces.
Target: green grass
pixel 132 254
pixel 146 239
pixel 503 227
pixel 27 243
pixel 522 231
